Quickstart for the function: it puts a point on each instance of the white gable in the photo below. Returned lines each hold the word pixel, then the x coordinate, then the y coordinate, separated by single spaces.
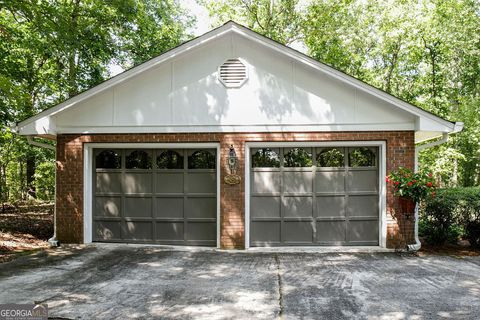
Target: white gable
pixel 183 94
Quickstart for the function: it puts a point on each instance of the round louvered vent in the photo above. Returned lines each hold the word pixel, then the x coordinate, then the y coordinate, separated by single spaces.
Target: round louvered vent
pixel 233 73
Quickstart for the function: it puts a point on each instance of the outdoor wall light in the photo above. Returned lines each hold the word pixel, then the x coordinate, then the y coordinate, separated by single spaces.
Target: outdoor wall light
pixel 232 161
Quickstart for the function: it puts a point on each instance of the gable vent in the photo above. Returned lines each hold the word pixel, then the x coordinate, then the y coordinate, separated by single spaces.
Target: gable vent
pixel 233 73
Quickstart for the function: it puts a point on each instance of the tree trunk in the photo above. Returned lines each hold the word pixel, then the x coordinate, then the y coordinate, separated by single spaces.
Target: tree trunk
pixel 454 182
pixel 30 172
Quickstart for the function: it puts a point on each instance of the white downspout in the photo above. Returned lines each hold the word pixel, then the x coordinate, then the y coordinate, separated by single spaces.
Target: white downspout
pixel 417 245
pixel 53 240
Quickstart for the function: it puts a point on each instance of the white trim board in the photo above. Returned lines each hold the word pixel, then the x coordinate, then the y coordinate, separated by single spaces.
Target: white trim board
pixel 382 234
pixel 88 176
pixel 238 128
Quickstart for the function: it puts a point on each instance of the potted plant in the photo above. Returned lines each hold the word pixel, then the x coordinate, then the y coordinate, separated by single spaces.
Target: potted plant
pixel 411 187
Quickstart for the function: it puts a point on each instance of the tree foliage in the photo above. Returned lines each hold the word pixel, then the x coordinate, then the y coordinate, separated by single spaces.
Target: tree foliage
pixel 424 52
pixel 280 20
pixel 53 50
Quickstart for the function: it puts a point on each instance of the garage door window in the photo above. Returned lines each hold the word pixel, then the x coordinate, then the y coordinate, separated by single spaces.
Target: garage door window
pixel 138 159
pixel 108 159
pixel 298 157
pixel 331 157
pixel 266 158
pixel 361 157
pixel 169 159
pixel 201 159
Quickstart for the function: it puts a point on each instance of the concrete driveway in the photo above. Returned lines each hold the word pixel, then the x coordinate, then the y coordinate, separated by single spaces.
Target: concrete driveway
pixel 121 282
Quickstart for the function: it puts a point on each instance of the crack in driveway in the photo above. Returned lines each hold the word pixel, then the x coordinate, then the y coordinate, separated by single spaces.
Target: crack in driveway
pixel 280 287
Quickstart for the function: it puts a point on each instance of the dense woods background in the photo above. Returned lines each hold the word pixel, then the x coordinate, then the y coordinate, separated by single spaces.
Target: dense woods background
pixel 425 52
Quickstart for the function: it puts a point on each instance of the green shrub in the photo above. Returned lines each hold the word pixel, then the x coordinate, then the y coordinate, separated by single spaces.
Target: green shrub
pixel 45 181
pixel 452 213
pixel 435 233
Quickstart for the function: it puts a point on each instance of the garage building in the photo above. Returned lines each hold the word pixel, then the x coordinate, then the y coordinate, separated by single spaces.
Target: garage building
pixel 233 140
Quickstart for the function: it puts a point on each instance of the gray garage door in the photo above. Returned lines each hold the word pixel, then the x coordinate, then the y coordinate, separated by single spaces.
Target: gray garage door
pixel 162 196
pixel 314 196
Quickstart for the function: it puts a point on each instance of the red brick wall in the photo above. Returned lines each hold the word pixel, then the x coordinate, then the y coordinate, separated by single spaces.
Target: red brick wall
pixel 400 152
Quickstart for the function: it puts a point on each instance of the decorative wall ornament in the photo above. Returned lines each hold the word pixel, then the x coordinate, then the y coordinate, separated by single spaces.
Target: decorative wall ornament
pixel 232 179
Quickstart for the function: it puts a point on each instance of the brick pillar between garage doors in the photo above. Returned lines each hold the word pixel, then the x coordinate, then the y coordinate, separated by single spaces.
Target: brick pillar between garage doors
pixel 400 152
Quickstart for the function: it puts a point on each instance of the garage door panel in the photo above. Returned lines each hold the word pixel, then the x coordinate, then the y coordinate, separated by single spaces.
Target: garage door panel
pixel 169 208
pixel 201 231
pixel 137 183
pixel 138 230
pixel 201 208
pixel 138 207
pixel 155 196
pixel 265 231
pixel 201 183
pixel 107 230
pixel 361 230
pixel 331 231
pixel 170 231
pixel 169 183
pixel 328 201
pixel 265 207
pixel 107 206
pixel 366 181
pixel 297 182
pixel 298 231
pixel 109 182
pixel 330 181
pixel 297 206
pixel 265 182
pixel 331 206
pixel 363 206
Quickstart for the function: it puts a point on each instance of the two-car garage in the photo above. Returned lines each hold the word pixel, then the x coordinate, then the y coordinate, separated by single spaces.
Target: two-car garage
pixel 297 195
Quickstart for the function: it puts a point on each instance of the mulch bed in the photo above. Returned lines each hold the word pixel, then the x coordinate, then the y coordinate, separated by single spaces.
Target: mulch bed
pixel 461 249
pixel 24 228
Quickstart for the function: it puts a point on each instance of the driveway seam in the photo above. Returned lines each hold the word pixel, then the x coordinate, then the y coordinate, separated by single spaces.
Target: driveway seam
pixel 280 288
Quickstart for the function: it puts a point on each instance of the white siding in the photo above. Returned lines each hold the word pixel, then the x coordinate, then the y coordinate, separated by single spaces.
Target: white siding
pixel 280 94
pixel 96 111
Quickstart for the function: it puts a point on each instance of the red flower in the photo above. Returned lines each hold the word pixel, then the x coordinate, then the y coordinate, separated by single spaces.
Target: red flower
pixel 430 174
pixel 433 194
pixel 397 183
pixel 409 183
pixel 429 184
pixel 388 180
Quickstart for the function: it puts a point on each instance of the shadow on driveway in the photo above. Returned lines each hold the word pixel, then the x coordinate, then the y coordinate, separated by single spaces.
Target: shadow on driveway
pixel 152 282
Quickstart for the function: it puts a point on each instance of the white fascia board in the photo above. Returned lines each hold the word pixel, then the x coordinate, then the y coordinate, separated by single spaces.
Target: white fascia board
pixel 43 126
pixel 236 128
pixel 209 36
pixel 422 136
pixel 300 57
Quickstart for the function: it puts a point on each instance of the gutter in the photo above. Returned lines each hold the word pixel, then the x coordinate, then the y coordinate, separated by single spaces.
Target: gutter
pixel 40 144
pixel 458 126
pixel 53 240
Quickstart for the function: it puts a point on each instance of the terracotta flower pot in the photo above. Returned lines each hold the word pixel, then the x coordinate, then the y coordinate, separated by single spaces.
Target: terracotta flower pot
pixel 407 205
